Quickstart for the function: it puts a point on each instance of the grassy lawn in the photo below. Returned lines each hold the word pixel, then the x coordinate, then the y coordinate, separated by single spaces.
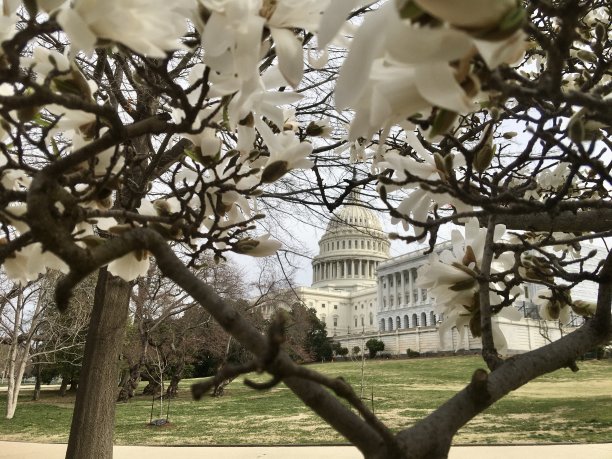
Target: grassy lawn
pixel 561 407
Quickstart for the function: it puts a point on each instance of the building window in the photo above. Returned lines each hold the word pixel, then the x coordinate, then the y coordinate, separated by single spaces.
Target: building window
pixel 371 319
pixel 391 300
pixel 335 306
pixel 382 324
pixel 390 324
pixel 335 321
pixel 424 294
pixel 361 305
pixel 323 305
pixel 362 321
pixel 362 245
pixel 344 244
pixel 369 247
pixel 423 319
pixel 349 244
pixel 406 321
pixel 415 320
pixel 355 307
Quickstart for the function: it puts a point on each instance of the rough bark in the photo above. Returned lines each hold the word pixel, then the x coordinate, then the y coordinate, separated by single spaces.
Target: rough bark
pixel 94 410
pixel 64 386
pixel 130 384
pixel 36 395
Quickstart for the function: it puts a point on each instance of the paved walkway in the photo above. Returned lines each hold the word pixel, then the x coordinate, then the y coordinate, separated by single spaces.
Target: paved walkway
pixel 15 450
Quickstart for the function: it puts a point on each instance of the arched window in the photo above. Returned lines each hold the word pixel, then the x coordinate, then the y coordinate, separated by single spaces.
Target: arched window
pixel 398 323
pixel 372 319
pixel 415 320
pixel 406 321
pixel 362 321
pixel 432 318
pixel 355 321
pixel 390 324
pixel 382 324
pixel 423 319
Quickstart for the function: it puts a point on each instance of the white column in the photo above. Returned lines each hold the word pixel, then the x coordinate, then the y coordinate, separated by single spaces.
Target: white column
pixel 388 292
pixel 396 288
pixel 403 285
pixel 345 271
pixel 411 286
pixel 380 295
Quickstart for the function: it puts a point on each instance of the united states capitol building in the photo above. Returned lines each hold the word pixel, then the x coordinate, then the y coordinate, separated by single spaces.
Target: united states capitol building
pixel 360 292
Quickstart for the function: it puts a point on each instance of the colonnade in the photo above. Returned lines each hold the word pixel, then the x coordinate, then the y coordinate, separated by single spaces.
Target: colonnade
pixel 344 269
pixel 398 288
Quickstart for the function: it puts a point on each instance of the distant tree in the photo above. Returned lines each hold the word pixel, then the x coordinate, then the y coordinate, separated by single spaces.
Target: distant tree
pixel 374 346
pixel 356 350
pixel 342 351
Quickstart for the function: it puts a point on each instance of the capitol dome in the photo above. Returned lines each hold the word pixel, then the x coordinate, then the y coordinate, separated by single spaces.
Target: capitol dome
pixel 351 249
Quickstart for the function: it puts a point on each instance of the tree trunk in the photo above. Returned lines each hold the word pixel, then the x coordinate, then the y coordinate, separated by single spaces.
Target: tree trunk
pixel 18 358
pixel 36 395
pixel 74 385
pixel 93 422
pixel 219 389
pixel 172 390
pixel 152 388
pixel 130 383
pixel 64 386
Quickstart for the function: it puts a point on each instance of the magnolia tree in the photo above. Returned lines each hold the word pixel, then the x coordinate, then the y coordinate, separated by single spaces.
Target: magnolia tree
pixel 132 130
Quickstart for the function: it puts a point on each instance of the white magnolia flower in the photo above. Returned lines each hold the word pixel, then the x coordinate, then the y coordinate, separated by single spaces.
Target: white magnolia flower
pixel 451 279
pixel 419 202
pixel 44 61
pixel 286 152
pixel 15 179
pixel 130 266
pixel 261 246
pixel 402 55
pixel 148 27
pixel 553 306
pixel 27 264
pixel 257 97
pixel 396 68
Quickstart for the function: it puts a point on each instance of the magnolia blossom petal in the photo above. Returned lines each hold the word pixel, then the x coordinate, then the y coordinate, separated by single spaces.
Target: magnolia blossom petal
pixel 437 84
pixel 423 45
pixel 334 17
pixel 77 30
pixel 508 51
pixel 290 57
pixel 129 266
pixel 366 46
